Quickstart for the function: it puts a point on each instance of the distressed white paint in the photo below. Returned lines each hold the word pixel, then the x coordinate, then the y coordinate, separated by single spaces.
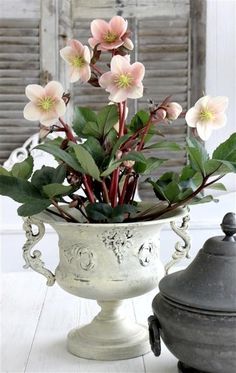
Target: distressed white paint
pixel 109 263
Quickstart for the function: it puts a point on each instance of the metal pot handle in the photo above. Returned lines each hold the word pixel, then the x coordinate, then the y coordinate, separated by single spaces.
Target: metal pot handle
pixel 181 250
pixel 33 260
pixel 154 335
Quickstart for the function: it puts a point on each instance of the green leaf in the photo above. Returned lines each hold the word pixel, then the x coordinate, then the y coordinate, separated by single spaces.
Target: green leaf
pixel 87 162
pixel 197 154
pixel 139 120
pixel 48 175
pixel 158 190
pixel 187 173
pixel 186 193
pixel 172 191
pixel 4 172
pixel 82 116
pixel 23 169
pixel 60 154
pixel 118 144
pixel 92 129
pixel 134 156
pixel 119 211
pixel 219 167
pixel 112 166
pixel 99 212
pixel 206 199
pixel 167 145
pixel 227 150
pixel 94 147
pixel 33 207
pixel 52 190
pixel 152 164
pixel 107 118
pixel 18 189
pixel 217 186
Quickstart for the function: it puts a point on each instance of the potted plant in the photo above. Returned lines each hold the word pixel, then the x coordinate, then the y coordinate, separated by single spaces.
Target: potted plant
pixel 108 240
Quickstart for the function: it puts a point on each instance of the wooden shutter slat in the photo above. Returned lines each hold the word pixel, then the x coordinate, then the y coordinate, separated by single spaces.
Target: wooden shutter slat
pixel 19 66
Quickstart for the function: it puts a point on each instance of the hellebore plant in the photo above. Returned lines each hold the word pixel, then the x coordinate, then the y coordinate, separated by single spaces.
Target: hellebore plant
pixel 101 157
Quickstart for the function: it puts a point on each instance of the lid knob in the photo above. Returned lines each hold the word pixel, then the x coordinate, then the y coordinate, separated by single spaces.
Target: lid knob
pixel 228 226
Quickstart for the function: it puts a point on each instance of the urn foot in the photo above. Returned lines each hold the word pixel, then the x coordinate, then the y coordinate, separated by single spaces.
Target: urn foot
pixel 182 368
pixel 110 336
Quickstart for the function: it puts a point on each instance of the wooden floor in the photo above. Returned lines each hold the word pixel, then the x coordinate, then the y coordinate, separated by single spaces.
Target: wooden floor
pixel 36 320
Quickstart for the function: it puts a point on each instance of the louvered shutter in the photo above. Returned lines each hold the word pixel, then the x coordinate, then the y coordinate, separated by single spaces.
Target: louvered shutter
pixel 19 66
pixel 164 48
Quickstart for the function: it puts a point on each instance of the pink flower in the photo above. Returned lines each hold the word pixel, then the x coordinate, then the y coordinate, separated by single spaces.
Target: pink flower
pixel 207 114
pixel 173 110
pixel 46 103
pixel 109 35
pixel 78 57
pixel 124 80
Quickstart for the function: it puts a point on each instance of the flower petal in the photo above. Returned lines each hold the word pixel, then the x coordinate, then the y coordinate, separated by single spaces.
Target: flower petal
pixel 99 27
pixel 49 118
pixel 34 92
pixel 118 25
pixel 204 130
pixel 76 46
pixel 74 74
pixel 202 102
pixel 219 121
pixel 218 104
pixel 106 80
pixel 192 117
pixel 119 64
pixel 108 46
pixel 87 54
pixel 85 73
pixel 60 108
pixel 118 95
pixel 136 91
pixel 67 53
pixel 138 71
pixel 54 89
pixel 31 111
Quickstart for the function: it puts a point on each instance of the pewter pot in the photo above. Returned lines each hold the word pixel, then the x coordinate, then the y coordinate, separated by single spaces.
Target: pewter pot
pixel 195 311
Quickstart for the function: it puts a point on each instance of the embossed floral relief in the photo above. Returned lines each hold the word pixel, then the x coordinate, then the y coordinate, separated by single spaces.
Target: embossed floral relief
pixel 81 255
pixel 146 253
pixel 119 242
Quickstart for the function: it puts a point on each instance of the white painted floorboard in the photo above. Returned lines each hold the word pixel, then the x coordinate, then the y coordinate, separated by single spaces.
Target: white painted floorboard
pixel 35 323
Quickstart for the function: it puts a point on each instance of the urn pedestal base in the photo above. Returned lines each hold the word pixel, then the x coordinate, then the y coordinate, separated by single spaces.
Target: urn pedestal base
pixel 110 336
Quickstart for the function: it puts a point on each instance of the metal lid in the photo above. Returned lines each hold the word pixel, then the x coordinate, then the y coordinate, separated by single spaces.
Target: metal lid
pixel 209 282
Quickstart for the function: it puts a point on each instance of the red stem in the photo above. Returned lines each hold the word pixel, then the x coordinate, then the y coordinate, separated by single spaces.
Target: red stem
pixel 88 190
pixel 95 68
pixel 68 131
pixel 114 187
pixel 122 197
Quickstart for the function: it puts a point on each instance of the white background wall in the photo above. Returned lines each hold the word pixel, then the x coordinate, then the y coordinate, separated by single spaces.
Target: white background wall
pixel 205 219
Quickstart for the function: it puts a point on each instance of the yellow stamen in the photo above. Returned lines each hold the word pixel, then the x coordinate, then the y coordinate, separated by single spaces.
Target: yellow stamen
pixel 124 80
pixel 110 37
pixel 77 61
pixel 46 103
pixel 206 115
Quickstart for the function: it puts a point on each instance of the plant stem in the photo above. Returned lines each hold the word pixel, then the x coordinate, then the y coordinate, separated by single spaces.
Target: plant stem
pixel 122 197
pixel 149 122
pixel 95 68
pixel 114 187
pixel 105 192
pixel 68 131
pixel 204 184
pixel 88 190
pixel 63 213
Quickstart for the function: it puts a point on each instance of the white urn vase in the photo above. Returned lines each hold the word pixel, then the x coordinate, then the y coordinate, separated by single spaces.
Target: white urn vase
pixel 108 263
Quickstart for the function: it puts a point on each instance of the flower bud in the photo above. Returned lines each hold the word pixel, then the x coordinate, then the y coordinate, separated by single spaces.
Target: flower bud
pixel 128 164
pixel 128 44
pixel 118 155
pixel 160 113
pixel 173 110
